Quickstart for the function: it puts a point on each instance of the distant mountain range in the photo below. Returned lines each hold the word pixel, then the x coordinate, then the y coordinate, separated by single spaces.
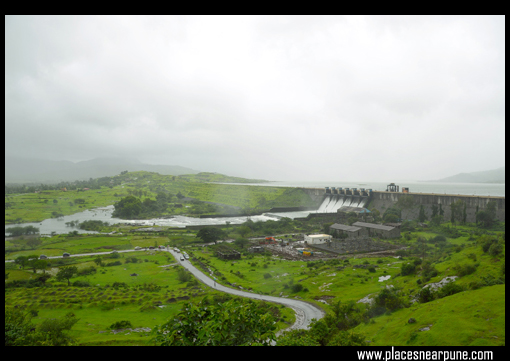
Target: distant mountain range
pixel 27 170
pixel 489 176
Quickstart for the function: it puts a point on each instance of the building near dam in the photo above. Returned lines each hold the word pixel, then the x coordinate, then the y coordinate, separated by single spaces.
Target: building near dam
pixel 346 232
pixel 362 229
pixel 318 238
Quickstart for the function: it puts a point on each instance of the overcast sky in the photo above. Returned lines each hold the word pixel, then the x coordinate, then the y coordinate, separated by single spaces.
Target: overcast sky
pixel 279 98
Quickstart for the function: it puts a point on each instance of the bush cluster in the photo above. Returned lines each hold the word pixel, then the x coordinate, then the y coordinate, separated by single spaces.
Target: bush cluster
pixel 120 324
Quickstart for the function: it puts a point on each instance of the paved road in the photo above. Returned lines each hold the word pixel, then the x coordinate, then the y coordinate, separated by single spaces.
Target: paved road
pixel 97 253
pixel 304 311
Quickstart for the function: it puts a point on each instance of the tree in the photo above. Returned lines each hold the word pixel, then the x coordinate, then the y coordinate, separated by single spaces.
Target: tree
pixel 405 202
pixel 375 214
pixel 244 231
pixel 456 210
pixel 127 207
pixel 436 220
pixel 22 261
pixel 421 216
pixel 390 218
pixel 20 331
pixel 66 273
pixel 434 211
pixel 210 234
pixel 232 323
pixel 98 261
pixel 36 264
pixel 485 219
pixel 241 242
pixel 34 242
pixel 183 275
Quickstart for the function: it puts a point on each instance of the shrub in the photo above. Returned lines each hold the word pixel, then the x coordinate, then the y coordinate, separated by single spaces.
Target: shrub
pixel 379 261
pixel 407 269
pixel 371 269
pixel 79 283
pixel 465 270
pixel 297 287
pixel 116 263
pixel 267 275
pixel 495 249
pixel 120 324
pixel 87 270
pixel 120 285
pixel 438 239
pixel 183 275
pixel 425 295
pixel 449 289
pixel 487 244
pixel 389 299
pixel 472 256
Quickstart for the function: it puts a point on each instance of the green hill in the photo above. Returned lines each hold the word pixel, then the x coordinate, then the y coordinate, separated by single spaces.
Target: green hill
pixel 469 318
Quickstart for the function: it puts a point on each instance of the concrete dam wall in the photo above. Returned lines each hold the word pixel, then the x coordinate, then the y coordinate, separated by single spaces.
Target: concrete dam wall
pixel 384 200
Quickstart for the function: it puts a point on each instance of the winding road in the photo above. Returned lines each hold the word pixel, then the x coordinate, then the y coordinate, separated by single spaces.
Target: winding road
pixel 305 311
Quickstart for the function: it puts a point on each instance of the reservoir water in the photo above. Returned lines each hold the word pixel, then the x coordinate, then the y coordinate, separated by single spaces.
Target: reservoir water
pixel 104 214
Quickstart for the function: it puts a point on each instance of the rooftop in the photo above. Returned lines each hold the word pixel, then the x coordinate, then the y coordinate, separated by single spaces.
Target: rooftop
pixel 345 227
pixel 372 225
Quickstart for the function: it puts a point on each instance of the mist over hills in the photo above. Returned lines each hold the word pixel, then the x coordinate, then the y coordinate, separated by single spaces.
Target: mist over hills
pixel 29 170
pixel 489 176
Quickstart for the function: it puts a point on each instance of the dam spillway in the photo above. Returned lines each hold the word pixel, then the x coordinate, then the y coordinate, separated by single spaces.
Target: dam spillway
pixel 332 202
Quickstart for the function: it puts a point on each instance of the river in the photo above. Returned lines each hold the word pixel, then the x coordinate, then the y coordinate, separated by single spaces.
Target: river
pixel 58 225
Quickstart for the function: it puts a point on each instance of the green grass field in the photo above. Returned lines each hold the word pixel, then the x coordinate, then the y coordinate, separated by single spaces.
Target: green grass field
pixel 98 307
pixel 469 318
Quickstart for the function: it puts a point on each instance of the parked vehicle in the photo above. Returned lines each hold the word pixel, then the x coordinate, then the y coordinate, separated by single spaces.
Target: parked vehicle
pixel 151 247
pixel 42 256
pixel 137 248
pixel 114 251
pixel 186 256
pixel 182 258
pixel 177 250
pixel 65 255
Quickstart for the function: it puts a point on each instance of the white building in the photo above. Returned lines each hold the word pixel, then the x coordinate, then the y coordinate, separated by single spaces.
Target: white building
pixel 317 238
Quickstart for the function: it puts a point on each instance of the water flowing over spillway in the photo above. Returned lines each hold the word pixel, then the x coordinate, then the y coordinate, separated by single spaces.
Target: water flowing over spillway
pixel 333 202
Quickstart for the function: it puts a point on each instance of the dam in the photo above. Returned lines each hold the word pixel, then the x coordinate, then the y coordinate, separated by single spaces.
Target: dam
pixel 330 199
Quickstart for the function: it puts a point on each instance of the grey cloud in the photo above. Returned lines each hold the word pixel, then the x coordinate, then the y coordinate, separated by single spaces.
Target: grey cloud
pixel 264 97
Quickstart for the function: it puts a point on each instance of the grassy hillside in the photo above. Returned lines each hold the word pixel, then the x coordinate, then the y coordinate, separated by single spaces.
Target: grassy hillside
pixel 469 318
pixel 34 207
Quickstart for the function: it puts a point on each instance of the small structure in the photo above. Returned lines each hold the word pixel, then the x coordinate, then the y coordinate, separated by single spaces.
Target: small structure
pixel 256 249
pixel 66 255
pixel 228 253
pixel 347 232
pixel 392 187
pixel 405 189
pixel 318 238
pixel 378 230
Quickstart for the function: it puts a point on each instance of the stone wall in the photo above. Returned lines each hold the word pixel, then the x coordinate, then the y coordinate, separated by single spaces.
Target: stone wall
pixel 384 200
